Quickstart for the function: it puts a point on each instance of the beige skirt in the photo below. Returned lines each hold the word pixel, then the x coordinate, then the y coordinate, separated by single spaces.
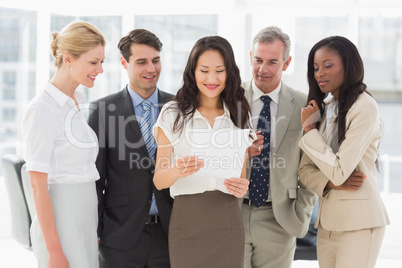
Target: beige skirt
pixel 206 231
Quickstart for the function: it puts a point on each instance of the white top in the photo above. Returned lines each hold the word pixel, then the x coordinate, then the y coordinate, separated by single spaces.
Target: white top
pixel 59 140
pixel 183 142
pixel 330 133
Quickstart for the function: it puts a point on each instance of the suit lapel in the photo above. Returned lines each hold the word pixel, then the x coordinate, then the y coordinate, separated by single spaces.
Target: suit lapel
pixel 129 115
pixel 248 91
pixel 163 98
pixel 283 116
pixel 129 112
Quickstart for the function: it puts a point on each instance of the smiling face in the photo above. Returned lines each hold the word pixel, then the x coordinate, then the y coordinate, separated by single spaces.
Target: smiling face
pixel 143 69
pixel 268 64
pixel 210 74
pixel 86 67
pixel 328 70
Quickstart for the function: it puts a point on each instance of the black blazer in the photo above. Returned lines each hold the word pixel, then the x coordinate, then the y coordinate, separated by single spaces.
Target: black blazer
pixel 126 172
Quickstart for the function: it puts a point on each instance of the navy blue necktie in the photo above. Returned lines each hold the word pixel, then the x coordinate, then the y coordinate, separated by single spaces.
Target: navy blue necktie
pixel 259 180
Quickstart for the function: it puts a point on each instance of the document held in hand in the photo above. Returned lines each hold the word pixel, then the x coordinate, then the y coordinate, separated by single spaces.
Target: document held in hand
pixel 223 152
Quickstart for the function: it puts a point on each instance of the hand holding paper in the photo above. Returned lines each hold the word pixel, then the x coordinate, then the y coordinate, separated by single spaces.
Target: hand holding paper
pixel 223 155
pixel 188 165
pixel 237 186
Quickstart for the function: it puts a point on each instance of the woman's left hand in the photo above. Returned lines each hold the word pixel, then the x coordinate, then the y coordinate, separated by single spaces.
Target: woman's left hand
pixel 237 186
pixel 310 115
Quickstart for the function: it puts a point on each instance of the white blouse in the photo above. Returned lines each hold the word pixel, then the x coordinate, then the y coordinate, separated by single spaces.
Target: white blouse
pixel 59 141
pixel 183 141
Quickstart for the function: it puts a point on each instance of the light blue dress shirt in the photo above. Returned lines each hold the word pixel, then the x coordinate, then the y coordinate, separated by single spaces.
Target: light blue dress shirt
pixel 137 100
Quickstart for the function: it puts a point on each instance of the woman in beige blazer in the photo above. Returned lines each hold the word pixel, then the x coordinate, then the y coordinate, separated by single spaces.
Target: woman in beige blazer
pixel 340 156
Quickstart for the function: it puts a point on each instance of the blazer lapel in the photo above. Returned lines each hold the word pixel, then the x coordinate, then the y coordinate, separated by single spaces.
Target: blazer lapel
pixel 283 116
pixel 129 115
pixel 248 91
pixel 163 98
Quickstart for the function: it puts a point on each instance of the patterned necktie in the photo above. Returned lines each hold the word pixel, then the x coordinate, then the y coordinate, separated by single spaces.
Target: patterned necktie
pixel 150 143
pixel 259 180
pixel 146 128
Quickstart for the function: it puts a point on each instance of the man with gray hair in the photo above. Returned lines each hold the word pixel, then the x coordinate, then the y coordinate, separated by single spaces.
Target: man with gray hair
pixel 277 208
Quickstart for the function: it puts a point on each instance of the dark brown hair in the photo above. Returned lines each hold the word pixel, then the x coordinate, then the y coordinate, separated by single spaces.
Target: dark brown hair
pixel 141 37
pixel 352 85
pixel 232 95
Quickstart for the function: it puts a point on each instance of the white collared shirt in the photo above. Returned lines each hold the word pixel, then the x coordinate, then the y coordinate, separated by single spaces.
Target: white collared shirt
pixel 183 142
pixel 59 141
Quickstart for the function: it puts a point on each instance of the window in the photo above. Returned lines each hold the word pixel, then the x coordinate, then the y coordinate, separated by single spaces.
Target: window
pixel 9 114
pixel 309 30
pixel 17 72
pixel 380 45
pixel 178 33
pixel 9 85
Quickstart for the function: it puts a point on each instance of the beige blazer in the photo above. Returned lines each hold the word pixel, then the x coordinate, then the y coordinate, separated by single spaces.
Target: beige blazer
pixel 341 210
pixel 292 202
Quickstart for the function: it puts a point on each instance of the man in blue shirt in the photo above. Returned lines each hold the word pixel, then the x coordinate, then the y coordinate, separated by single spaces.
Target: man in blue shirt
pixel 133 214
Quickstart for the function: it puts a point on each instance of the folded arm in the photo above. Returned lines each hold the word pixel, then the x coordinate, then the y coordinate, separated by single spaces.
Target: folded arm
pixel 338 167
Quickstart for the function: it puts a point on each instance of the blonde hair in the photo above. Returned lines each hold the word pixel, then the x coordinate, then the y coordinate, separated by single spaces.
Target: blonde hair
pixel 75 38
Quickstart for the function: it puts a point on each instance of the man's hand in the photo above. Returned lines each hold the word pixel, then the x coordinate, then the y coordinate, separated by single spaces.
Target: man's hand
pixel 258 144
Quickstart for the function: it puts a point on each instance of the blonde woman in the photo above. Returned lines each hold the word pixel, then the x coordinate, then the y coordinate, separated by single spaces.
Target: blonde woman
pixel 61 153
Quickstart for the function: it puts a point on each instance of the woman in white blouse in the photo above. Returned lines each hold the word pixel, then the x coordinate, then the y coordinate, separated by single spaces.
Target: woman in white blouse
pixel 206 228
pixel 61 153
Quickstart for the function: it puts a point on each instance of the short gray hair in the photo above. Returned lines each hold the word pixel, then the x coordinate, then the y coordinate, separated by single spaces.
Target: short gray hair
pixel 270 34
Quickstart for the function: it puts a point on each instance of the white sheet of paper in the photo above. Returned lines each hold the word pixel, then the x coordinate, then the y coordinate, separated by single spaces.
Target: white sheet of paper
pixel 223 153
